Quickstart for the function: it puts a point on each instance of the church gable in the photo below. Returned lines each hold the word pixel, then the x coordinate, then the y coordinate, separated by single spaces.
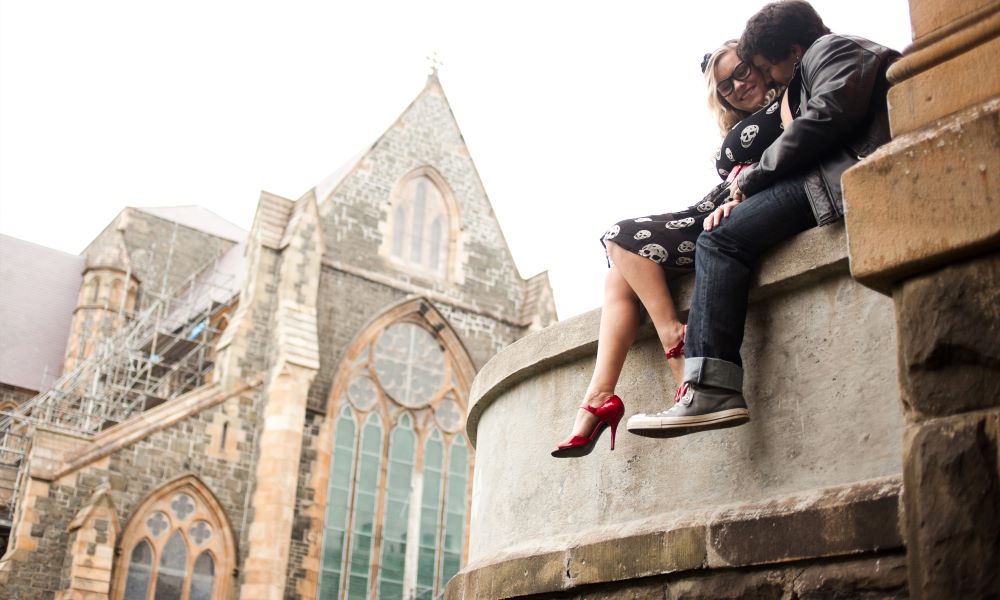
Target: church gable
pixel 413 208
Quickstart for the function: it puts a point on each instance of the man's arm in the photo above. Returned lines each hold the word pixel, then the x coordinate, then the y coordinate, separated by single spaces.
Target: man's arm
pixel 840 75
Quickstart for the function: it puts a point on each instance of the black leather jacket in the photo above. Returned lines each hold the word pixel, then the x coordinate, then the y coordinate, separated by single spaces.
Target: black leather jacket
pixel 842 118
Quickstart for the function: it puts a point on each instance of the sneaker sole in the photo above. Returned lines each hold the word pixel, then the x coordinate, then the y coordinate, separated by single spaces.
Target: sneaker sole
pixel 671 426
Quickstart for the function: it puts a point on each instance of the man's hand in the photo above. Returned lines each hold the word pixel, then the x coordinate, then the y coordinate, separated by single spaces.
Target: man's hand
pixel 735 192
pixel 719 214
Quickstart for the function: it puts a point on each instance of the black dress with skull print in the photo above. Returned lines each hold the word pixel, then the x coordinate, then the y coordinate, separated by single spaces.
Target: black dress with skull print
pixel 669 239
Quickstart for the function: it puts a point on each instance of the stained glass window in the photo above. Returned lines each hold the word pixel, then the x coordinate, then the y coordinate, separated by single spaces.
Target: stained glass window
pixel 337 498
pixel 419 230
pixel 409 363
pixel 454 516
pixel 140 569
pixel 203 578
pixel 430 514
pixel 171 573
pixel 365 491
pixel 395 514
pixel 175 542
pixel 397 510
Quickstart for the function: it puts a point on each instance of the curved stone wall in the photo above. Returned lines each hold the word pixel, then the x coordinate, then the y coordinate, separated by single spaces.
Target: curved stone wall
pixel 821 381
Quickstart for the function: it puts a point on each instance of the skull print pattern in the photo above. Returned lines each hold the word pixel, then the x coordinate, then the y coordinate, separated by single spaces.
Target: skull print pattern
pixel 670 239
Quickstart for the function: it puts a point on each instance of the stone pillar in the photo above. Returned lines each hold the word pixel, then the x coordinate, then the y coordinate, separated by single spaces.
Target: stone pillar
pixel 294 337
pixel 93 535
pixel 277 473
pixel 923 224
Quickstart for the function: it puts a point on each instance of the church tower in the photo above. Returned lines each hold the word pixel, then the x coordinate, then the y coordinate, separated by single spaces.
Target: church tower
pixel 106 302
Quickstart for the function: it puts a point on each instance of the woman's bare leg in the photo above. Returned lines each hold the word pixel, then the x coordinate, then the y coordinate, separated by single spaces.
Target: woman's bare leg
pixel 648 282
pixel 619 323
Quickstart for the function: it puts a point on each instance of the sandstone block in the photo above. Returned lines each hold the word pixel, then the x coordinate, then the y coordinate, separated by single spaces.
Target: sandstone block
pixel 949 338
pixel 927 16
pixel 952 482
pixel 638 556
pixel 511 578
pixel 925 199
pixel 966 80
pixel 866 524
pixel 883 578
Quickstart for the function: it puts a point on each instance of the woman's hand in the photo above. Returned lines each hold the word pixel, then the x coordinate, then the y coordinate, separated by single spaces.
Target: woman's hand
pixel 718 215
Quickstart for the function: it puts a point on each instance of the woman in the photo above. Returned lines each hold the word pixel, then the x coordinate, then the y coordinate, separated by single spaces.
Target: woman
pixel 644 253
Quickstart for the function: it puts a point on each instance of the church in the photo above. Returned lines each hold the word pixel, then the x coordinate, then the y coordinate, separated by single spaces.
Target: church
pixel 190 410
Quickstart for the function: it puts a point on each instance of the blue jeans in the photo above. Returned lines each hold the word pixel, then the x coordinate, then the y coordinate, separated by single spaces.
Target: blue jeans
pixel 725 259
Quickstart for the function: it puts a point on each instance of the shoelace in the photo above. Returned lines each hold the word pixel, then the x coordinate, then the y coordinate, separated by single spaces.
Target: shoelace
pixel 680 392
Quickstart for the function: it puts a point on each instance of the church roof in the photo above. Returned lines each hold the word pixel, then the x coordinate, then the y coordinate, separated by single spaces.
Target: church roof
pixel 38 293
pixel 198 218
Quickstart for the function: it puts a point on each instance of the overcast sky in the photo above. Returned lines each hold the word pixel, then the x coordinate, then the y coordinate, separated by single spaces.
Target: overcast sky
pixel 577 113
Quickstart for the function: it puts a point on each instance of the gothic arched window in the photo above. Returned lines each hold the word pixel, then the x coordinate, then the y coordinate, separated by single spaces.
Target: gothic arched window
pixel 399 479
pixel 422 223
pixel 178 544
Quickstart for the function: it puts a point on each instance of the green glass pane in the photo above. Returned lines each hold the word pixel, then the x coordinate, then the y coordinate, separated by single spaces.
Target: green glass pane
pixel 397 507
pixel 363 522
pixel 338 493
pixel 430 511
pixel 454 519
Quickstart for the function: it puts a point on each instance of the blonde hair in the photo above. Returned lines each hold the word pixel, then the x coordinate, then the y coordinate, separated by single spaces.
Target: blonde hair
pixel 725 115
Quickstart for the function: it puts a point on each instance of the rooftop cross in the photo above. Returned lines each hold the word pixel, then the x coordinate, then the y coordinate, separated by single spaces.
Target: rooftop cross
pixel 434 62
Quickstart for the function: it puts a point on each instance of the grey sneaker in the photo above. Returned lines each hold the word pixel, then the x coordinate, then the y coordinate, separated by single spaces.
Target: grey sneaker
pixel 698 408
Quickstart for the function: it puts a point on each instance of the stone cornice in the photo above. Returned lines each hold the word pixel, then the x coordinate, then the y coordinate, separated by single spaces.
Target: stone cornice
pixel 860 518
pixel 143 425
pixel 948 42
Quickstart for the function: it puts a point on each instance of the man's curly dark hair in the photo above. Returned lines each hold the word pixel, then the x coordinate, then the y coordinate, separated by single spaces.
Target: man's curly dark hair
pixel 772 31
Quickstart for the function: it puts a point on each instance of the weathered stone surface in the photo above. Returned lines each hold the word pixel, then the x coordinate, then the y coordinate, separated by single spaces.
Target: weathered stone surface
pixel 874 577
pixel 826 530
pixel 736 585
pixel 926 199
pixel 949 338
pixel 881 579
pixel 968 79
pixel 638 556
pixel 512 578
pixel 856 520
pixel 952 482
pixel 928 16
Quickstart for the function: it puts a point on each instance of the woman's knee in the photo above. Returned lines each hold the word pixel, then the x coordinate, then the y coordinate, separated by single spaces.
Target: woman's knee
pixel 616 287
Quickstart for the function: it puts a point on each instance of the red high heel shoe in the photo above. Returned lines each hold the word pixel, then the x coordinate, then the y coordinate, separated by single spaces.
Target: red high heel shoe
pixel 608 415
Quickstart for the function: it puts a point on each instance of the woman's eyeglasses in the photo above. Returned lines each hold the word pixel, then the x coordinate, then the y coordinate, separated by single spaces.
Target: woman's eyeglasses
pixel 740 73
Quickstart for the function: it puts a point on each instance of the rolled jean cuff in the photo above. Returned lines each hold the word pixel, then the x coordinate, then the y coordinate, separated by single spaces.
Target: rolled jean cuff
pixel 713 372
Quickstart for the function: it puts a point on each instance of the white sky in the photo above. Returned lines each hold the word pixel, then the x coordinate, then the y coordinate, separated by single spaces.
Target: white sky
pixel 577 113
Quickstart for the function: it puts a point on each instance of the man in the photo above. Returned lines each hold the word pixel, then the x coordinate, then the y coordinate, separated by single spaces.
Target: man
pixel 836 91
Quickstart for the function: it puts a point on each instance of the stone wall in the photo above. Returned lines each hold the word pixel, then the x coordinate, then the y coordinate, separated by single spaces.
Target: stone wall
pixel 131 471
pixel 939 259
pixel 163 254
pixel 810 485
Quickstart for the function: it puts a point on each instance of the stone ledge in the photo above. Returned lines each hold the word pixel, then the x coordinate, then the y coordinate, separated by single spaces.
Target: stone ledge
pixel 803 260
pixel 925 199
pixel 835 522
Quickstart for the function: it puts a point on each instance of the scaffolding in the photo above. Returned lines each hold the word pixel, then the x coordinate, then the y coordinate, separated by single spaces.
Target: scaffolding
pixel 162 350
